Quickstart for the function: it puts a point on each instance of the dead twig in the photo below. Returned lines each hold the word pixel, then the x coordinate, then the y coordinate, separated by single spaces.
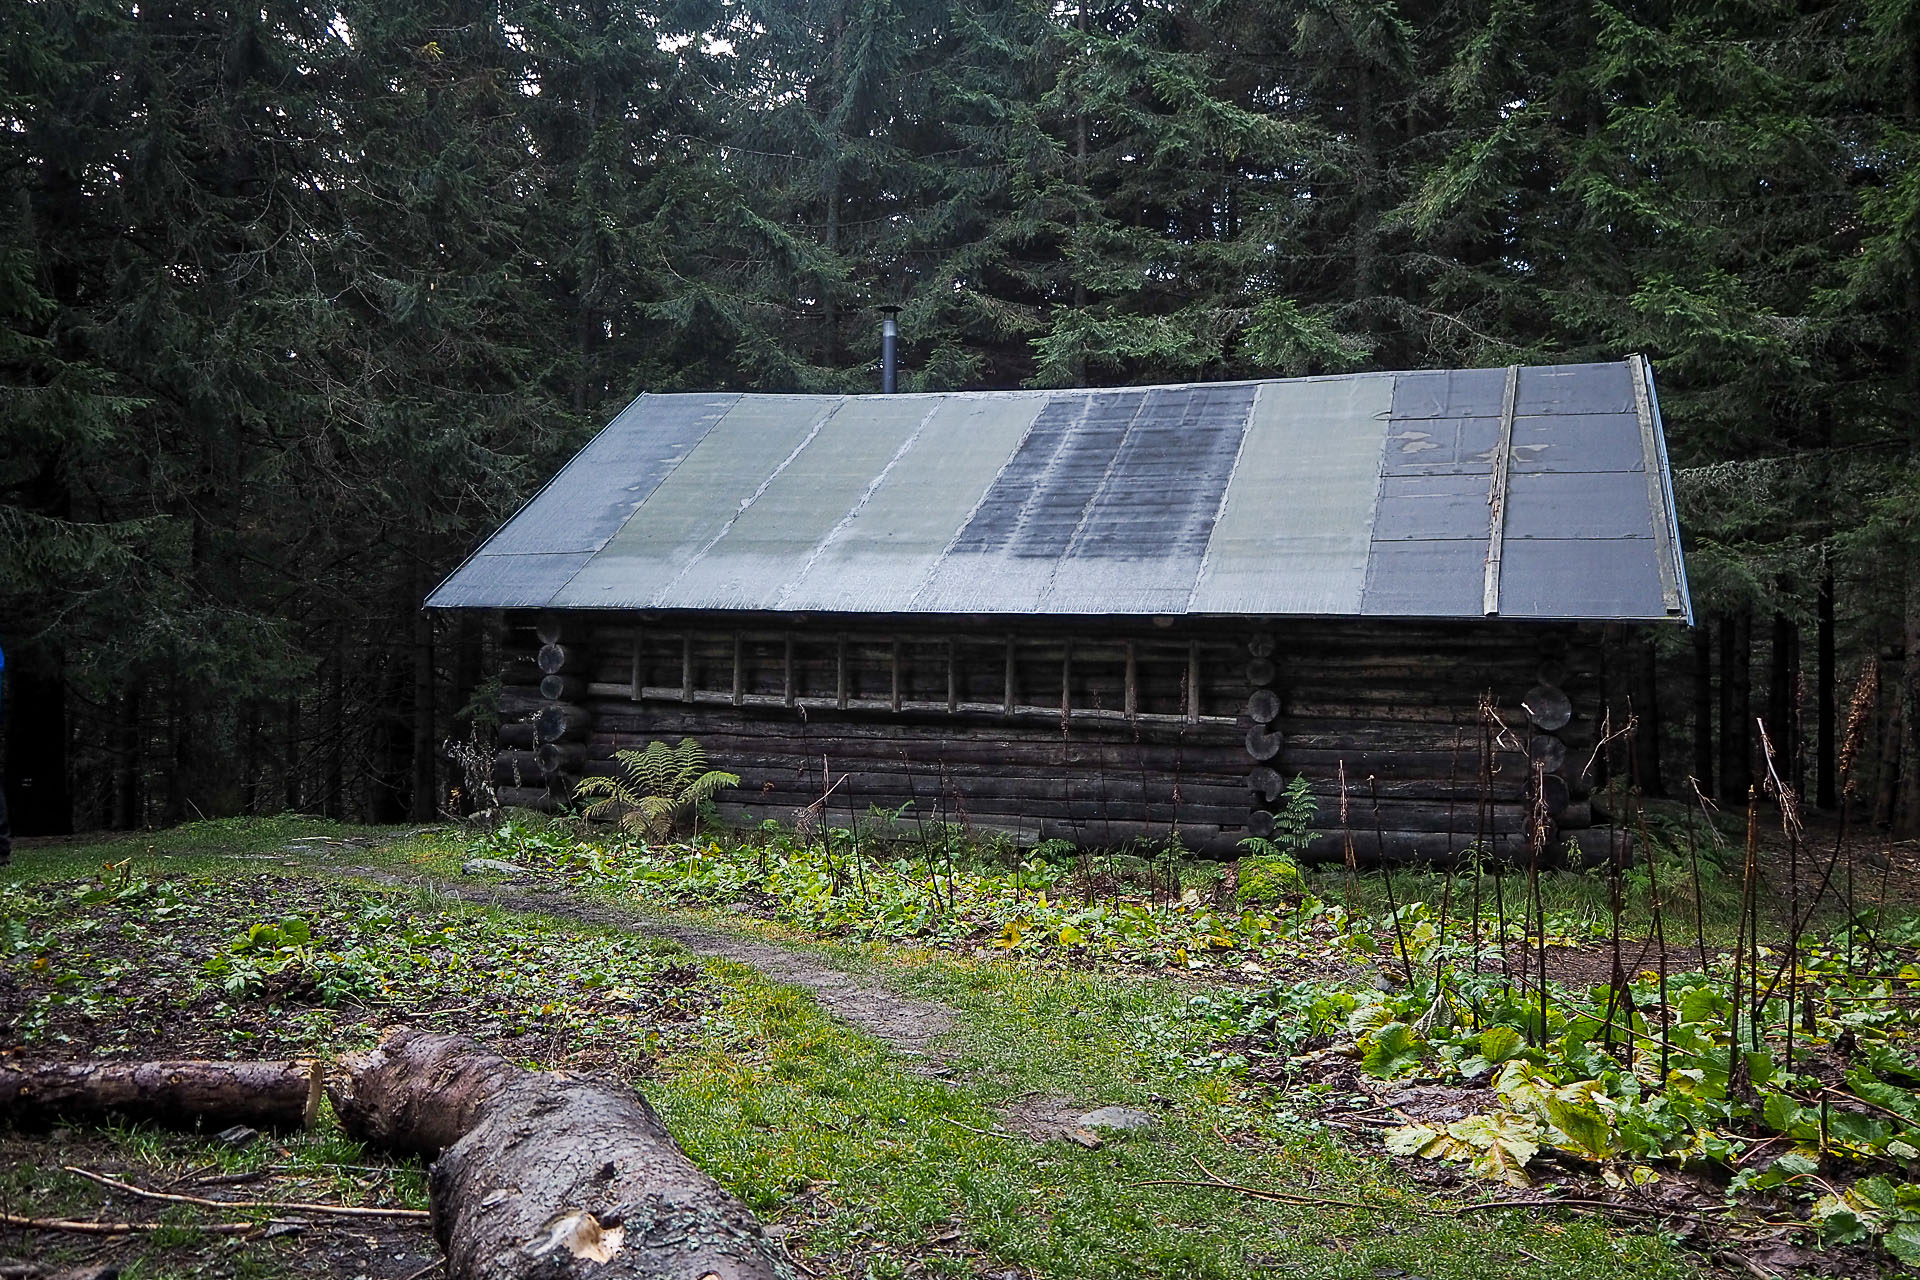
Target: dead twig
pixel 985 1133
pixel 339 1210
pixel 804 1268
pixel 72 1227
pixel 428 1270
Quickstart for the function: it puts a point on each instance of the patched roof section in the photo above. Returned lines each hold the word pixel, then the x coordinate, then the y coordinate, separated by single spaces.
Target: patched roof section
pixel 1537 492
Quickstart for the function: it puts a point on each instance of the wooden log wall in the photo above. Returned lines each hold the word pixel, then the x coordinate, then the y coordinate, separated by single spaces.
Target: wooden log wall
pixel 1093 731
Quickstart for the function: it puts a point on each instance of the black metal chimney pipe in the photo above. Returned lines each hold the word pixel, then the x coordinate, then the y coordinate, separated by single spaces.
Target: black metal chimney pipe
pixel 889 349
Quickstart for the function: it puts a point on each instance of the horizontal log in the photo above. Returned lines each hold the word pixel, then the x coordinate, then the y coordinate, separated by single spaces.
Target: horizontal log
pixel 527 798
pixel 1416 847
pixel 533 768
pixel 560 757
pixel 550 1175
pixel 513 769
pixel 180 1095
pixel 561 722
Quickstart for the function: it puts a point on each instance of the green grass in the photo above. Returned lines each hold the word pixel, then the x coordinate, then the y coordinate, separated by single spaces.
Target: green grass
pixel 791 1102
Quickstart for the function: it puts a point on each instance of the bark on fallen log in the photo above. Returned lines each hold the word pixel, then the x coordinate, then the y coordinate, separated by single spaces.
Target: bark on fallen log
pixel 179 1095
pixel 542 1175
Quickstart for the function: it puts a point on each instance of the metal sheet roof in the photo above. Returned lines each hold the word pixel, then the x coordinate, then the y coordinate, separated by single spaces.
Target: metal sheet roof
pixel 1365 494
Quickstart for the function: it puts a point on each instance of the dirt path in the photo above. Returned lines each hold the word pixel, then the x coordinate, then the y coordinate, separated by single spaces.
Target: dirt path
pixel 907 1024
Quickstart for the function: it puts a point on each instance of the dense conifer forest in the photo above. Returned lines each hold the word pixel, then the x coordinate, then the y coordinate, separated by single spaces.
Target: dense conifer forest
pixel 297 302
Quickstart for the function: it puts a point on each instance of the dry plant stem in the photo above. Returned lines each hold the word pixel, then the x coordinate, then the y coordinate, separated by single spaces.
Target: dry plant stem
pixel 1693 864
pixel 1658 913
pixel 338 1210
pixel 1536 903
pixel 1386 872
pixel 1446 899
pixel 920 825
pixel 1346 840
pixel 1790 823
pixel 83 1228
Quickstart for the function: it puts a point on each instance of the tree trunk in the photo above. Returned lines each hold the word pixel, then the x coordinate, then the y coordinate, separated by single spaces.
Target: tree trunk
pixel 129 807
pixel 426 772
pixel 547 1175
pixel 1783 674
pixel 1703 707
pixel 1736 706
pixel 290 760
pixel 334 726
pixel 1646 741
pixel 1826 792
pixel 179 1095
pixel 38 794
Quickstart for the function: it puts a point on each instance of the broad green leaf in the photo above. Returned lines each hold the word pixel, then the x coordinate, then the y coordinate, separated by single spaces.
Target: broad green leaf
pixel 1796 1164
pixel 1393 1050
pixel 1587 1129
pixel 1903 1242
pixel 1506 1142
pixel 1368 1017
pixel 1498 1044
pixel 1784 1115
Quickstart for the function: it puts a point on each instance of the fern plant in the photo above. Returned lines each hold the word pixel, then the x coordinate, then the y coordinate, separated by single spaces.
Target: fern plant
pixel 1293 821
pixel 658 791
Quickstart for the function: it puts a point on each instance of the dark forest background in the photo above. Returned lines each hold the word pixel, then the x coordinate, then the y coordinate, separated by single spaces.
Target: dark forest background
pixel 297 301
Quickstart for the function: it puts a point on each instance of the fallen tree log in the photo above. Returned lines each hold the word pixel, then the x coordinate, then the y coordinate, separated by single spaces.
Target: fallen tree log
pixel 179 1095
pixel 545 1175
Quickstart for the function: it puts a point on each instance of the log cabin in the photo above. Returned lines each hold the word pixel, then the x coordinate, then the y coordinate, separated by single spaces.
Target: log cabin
pixel 1105 615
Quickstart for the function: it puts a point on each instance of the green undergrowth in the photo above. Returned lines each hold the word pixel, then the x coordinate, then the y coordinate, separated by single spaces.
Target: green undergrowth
pixel 821 1127
pixel 876 1166
pixel 1633 1084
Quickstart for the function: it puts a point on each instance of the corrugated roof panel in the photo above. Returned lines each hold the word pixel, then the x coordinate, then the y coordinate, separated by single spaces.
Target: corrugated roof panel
pixel 694 505
pixel 1005 557
pixel 525 581
pixel 882 553
pixel 1294 533
pixel 1574 388
pixel 594 494
pixel 1333 496
pixel 1410 579
pixel 1571 578
pixel 770 542
pixel 1585 504
pixel 1578 442
pixel 1449 393
pixel 1138 548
